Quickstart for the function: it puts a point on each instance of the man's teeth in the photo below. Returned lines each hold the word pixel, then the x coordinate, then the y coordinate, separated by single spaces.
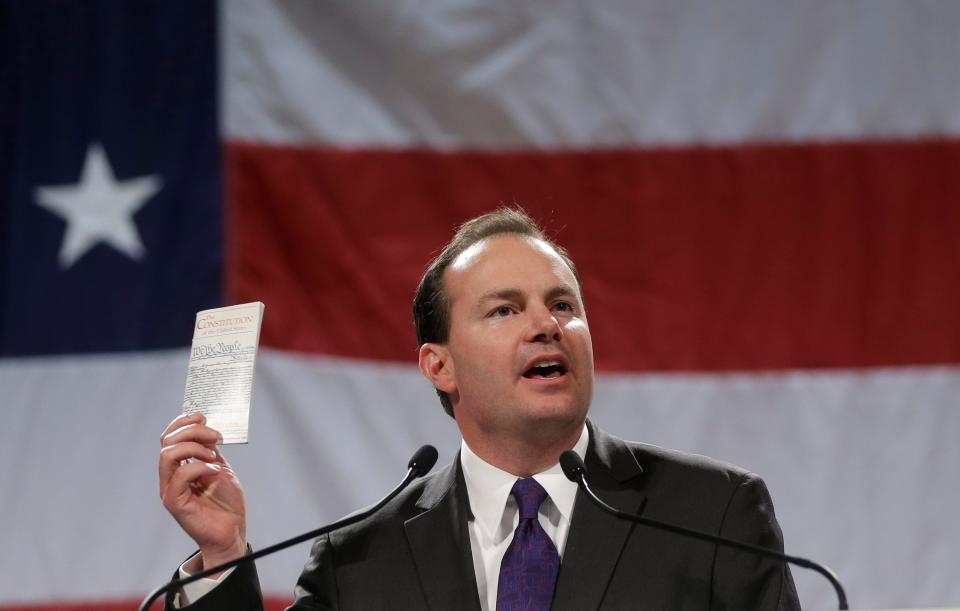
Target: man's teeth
pixel 546 369
pixel 548 364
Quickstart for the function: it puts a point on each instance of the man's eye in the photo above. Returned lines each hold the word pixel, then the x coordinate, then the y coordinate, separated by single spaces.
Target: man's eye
pixel 564 306
pixel 502 311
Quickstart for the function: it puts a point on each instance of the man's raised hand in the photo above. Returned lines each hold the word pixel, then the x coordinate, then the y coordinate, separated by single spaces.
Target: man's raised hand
pixel 200 490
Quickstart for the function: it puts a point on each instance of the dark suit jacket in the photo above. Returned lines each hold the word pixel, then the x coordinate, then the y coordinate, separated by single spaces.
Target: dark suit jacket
pixel 415 553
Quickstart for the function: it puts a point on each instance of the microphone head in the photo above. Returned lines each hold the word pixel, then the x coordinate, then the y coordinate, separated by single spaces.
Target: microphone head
pixel 572 466
pixel 423 460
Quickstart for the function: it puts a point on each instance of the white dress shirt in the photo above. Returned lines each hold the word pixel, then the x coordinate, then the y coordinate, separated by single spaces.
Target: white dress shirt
pixel 495 514
pixel 495 517
pixel 192 592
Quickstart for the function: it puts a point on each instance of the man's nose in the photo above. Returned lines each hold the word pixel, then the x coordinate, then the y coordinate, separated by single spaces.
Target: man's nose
pixel 544 326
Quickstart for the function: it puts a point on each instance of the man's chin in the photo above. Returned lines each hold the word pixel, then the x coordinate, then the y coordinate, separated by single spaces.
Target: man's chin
pixel 546 415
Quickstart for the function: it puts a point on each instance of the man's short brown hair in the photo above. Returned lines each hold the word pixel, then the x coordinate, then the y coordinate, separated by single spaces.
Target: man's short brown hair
pixel 431 306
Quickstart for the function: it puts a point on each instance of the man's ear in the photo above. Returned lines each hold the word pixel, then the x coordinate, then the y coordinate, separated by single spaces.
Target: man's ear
pixel 437 366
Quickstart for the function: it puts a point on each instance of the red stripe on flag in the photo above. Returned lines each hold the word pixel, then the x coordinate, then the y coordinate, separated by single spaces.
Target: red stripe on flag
pixel 739 258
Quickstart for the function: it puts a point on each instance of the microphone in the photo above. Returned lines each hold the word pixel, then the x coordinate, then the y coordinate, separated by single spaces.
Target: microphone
pixel 420 464
pixel 576 472
pixel 422 461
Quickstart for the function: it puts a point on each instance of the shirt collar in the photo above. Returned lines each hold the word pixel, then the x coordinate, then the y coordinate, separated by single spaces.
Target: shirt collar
pixel 489 487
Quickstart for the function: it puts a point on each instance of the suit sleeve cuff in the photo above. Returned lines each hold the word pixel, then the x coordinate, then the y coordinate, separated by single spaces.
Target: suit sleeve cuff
pixel 192 592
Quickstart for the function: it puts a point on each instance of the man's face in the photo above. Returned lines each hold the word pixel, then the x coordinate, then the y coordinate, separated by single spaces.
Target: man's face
pixel 519 349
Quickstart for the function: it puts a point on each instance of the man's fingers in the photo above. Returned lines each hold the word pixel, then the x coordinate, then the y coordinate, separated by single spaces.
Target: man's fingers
pixel 184 476
pixel 171 458
pixel 175 454
pixel 192 431
pixel 183 420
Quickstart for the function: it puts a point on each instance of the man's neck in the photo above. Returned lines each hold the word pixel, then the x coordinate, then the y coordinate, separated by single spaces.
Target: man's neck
pixel 522 455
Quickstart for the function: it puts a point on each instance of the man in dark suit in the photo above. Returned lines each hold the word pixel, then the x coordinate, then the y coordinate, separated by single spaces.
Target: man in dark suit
pixel 504 339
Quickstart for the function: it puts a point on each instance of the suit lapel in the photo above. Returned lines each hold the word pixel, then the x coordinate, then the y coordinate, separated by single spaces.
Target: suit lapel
pixel 596 538
pixel 440 543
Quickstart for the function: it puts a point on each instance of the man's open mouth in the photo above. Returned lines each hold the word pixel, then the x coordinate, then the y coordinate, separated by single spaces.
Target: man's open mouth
pixel 545 370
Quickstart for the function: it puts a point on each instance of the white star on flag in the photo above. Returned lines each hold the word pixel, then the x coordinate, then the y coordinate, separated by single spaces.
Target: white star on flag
pixel 99 208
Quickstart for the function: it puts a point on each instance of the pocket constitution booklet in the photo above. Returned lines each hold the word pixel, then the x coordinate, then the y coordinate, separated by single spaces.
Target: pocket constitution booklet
pixel 220 372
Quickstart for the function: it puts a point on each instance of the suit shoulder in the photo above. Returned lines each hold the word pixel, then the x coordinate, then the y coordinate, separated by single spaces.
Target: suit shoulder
pixel 411 502
pixel 695 464
pixel 675 471
pixel 690 489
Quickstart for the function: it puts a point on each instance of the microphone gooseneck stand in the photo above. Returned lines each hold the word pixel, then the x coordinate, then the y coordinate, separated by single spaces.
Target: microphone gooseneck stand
pixel 419 465
pixel 576 471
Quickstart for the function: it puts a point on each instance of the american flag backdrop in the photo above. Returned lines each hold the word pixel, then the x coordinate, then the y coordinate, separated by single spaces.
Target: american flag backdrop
pixel 763 200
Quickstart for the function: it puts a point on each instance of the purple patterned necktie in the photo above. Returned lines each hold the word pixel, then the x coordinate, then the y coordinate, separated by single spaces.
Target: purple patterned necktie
pixel 528 572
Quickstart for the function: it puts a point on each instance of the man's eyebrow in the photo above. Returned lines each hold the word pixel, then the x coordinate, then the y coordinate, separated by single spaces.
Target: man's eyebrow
pixel 561 290
pixel 501 295
pixel 510 294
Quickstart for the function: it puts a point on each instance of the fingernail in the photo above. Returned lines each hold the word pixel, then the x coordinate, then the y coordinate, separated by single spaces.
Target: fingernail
pixel 213 454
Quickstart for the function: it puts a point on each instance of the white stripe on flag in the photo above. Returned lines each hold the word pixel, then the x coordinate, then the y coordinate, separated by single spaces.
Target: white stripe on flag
pixel 574 74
